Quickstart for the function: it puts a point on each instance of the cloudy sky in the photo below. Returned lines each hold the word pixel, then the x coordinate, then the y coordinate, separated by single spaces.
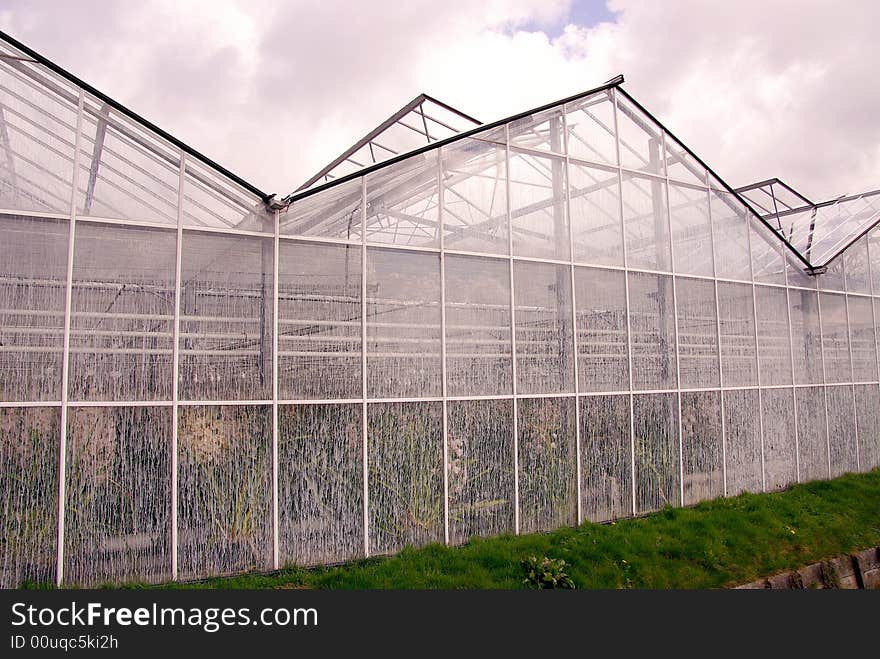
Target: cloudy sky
pixel 273 89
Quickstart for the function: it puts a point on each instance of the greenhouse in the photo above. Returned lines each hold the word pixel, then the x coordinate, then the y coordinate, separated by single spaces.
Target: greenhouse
pixel 455 329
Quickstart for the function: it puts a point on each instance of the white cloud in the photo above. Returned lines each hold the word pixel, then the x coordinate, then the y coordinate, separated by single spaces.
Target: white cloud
pixel 273 90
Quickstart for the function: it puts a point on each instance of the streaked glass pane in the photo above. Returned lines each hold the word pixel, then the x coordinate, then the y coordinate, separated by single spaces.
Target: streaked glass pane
pixel 544 345
pixel 33 283
pixel 812 433
pixel 780 444
pixel 403 324
pixel 547 463
pixel 697 332
pixel 405 443
pixel 225 489
pixel 691 230
pixel 701 446
pixel 319 319
pixel 742 424
pixel 774 341
pixel 835 338
pixel 320 483
pixel 652 323
pixel 118 486
pixel 658 458
pixel 480 464
pixel 606 458
pixel 590 125
pixel 226 305
pixel 479 357
pixel 28 494
pixel 737 321
pixel 601 329
pixel 843 441
pixel 806 337
pixel 122 326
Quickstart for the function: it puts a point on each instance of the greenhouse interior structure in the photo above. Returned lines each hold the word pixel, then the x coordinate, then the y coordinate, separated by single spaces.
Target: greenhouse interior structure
pixel 455 329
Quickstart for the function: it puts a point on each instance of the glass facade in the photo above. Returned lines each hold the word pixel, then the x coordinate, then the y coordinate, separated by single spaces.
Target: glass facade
pixel 556 319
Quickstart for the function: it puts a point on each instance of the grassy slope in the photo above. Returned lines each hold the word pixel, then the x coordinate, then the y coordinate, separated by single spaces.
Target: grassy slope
pixel 717 543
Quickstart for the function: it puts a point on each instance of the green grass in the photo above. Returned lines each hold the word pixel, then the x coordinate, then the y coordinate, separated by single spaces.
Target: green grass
pixel 714 544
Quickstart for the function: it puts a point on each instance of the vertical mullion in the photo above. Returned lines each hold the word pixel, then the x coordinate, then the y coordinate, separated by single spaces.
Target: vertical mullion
pixel 629 340
pixel 65 361
pixel 276 560
pixel 175 368
pixel 794 382
pixel 443 371
pixel 364 446
pixel 824 379
pixel 758 352
pixel 718 334
pixel 574 324
pixel 672 268
pixel 852 374
pixel 512 333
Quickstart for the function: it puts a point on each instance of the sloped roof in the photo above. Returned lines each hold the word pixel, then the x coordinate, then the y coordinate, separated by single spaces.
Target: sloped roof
pixel 130 166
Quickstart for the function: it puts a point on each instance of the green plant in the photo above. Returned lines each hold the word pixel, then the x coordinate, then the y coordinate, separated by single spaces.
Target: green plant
pixel 545 573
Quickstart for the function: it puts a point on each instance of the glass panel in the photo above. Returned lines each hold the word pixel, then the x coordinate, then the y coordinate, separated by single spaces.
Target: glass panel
pixel 225 481
pixel 537 206
pixel 122 326
pixel 403 202
pixel 652 323
pixel 868 426
pixel 691 230
pixel 480 455
pixel 855 260
pixel 332 213
pixel 645 223
pixel 210 200
pixel 226 317
pixel 403 324
pixel 780 462
pixel 123 172
pixel 843 441
pixel 833 279
pixel 743 434
pixel 730 231
pixel 590 125
pixel 682 166
pixel 812 436
pixel 595 215
pixel 697 332
pixel 768 264
pixel 601 329
pixel 547 463
pixel 405 475
pixel 701 446
pixel 33 283
pixel 806 338
pixel 319 317
pixel 862 338
pixel 606 458
pixel 118 484
pixel 835 338
pixel 37 137
pixel 874 259
pixel 28 494
pixel 543 328
pixel 774 341
pixel 658 457
pixel 641 142
pixel 320 483
pixel 543 131
pixel 737 320
pixel 475 194
pixel 478 351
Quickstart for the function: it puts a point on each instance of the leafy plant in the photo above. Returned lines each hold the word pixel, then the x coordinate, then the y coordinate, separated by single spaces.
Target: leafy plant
pixel 546 573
